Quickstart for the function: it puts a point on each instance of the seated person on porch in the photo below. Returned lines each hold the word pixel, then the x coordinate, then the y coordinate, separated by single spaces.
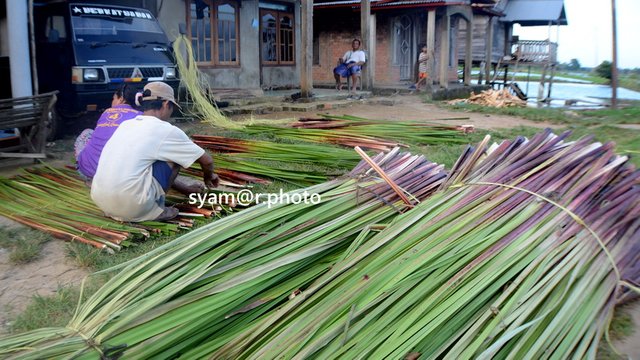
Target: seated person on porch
pixel 140 162
pixel 350 65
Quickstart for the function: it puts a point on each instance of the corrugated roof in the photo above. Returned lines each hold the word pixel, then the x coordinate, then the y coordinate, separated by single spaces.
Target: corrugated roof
pixel 383 3
pixel 535 12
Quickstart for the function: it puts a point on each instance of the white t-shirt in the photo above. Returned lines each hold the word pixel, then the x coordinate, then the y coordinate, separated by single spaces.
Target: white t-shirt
pixel 354 56
pixel 124 187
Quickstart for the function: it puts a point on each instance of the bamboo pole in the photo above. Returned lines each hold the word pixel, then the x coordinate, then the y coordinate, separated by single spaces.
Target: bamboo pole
pixel 306 78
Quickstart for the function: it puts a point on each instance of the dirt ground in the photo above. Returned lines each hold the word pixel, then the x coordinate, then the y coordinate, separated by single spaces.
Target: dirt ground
pixel 44 276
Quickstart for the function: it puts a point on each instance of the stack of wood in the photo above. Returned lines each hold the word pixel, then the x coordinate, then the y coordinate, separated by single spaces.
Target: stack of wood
pixel 493 98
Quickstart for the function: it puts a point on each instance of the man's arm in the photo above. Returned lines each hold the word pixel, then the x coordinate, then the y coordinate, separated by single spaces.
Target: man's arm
pixel 359 63
pixel 211 180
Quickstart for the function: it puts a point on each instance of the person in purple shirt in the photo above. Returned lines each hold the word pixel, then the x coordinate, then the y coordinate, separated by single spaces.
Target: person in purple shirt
pixel 89 144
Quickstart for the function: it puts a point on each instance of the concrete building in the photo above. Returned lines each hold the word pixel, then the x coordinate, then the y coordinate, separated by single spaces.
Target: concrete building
pixel 398 30
pixel 259 44
pixel 240 44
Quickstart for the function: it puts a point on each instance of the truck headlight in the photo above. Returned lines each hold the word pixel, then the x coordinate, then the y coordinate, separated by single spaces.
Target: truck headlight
pixel 90 75
pixel 170 73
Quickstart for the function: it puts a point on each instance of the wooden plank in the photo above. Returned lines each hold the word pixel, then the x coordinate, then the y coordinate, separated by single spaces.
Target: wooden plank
pixel 371 61
pixel 14 148
pixel 553 73
pixel 26 119
pixel 41 139
pixel 444 51
pixel 23 155
pixel 431 44
pixel 21 113
pixel 306 43
pixel 541 85
pixel 30 114
pixel 365 32
pixel 25 123
pixel 489 49
pixel 468 56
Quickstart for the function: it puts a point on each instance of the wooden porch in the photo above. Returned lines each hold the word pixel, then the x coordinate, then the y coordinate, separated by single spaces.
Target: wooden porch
pixel 527 54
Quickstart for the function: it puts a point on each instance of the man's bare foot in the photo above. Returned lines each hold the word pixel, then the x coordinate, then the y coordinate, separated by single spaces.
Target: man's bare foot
pixel 339 87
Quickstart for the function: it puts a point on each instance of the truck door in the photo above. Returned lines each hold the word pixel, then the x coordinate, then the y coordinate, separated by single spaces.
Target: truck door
pixel 54 56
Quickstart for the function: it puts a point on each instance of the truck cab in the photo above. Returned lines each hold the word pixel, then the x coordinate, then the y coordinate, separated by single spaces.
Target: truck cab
pixel 87 50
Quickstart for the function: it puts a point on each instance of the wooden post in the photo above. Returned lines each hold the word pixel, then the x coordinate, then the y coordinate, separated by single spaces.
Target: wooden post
pixel 468 59
pixel 306 43
pixel 365 32
pixel 444 51
pixel 488 59
pixel 371 61
pixel 541 85
pixel 32 43
pixel 506 73
pixel 431 44
pixel 553 73
pixel 614 59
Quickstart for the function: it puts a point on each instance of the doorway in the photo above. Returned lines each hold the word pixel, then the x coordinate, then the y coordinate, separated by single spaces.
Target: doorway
pixel 404 46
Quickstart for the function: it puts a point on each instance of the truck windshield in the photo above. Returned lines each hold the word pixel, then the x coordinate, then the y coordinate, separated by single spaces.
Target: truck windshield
pixel 107 24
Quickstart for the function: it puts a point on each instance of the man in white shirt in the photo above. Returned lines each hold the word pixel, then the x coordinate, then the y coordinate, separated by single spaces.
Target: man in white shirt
pixel 142 159
pixel 350 65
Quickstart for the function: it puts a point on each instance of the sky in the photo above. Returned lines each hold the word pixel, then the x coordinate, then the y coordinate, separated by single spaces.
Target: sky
pixel 588 36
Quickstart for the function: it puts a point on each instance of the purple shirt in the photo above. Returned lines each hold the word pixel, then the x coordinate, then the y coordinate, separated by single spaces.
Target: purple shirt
pixel 106 126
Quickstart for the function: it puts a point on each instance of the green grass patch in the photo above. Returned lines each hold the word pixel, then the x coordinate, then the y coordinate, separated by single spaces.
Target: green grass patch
pixel 621 327
pixel 552 115
pixel 630 81
pixel 24 244
pixel 625 115
pixel 44 311
pixel 54 310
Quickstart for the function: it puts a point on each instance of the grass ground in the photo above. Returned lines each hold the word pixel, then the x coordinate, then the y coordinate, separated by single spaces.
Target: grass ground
pixel 24 244
pixel 618 125
pixel 603 124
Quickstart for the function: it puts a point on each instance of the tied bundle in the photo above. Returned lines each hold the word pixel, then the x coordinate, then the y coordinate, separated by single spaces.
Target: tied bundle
pixel 523 253
pixel 57 202
pixel 352 131
pixel 210 284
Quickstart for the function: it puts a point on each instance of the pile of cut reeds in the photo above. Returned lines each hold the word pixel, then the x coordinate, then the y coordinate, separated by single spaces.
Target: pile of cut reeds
pixel 244 171
pixel 57 202
pixel 492 98
pixel 210 284
pixel 281 152
pixel 522 252
pixel 370 134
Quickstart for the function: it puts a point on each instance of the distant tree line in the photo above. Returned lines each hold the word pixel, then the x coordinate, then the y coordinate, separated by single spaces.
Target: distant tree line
pixel 602 70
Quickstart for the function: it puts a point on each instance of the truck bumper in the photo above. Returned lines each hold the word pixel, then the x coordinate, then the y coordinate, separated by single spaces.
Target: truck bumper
pixel 97 97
